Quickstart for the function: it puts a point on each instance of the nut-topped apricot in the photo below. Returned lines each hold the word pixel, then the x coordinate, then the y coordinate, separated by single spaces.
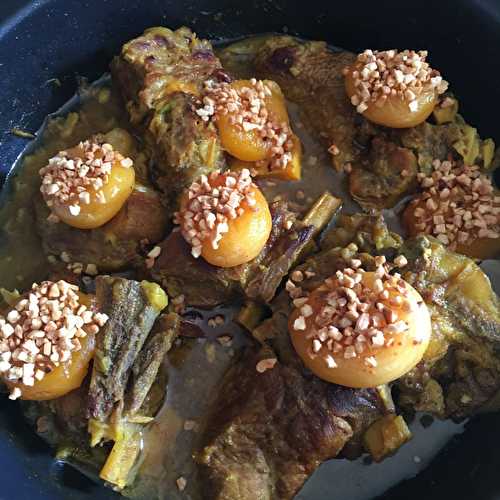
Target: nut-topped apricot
pixel 225 218
pixel 394 89
pixel 361 329
pixel 86 186
pixel 254 105
pixel 62 379
pixel 252 119
pixel 47 341
pixel 460 207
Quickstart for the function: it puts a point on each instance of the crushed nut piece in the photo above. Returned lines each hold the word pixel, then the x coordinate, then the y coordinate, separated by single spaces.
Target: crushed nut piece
pixel 334 150
pixel 265 364
pixel 181 483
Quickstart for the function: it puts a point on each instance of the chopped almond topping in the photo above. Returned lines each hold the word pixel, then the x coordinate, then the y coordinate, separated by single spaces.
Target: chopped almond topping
pixel 297 276
pixel 334 150
pixel 211 206
pixel 152 256
pixel 70 174
pixel 353 315
pixel 380 74
pixel 400 261
pixel 247 107
pixel 464 208
pixel 265 364
pixel 181 483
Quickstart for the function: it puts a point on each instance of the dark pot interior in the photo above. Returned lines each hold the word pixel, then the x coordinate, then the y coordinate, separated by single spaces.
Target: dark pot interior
pixel 65 39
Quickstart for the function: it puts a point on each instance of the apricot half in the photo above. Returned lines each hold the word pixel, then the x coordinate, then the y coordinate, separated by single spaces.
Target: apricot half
pixel 64 378
pixel 395 112
pixel 392 361
pixel 246 234
pixel 246 237
pixel 248 145
pixel 96 213
pixel 475 247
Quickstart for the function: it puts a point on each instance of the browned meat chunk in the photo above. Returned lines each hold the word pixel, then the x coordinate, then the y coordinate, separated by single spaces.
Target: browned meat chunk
pixel 430 142
pixel 205 285
pixel 460 372
pixel 269 431
pixel 368 232
pixel 142 218
pixel 388 174
pixel 161 62
pixel 114 245
pixel 161 75
pixel 183 146
pixel 455 138
pixel 310 74
pixel 200 283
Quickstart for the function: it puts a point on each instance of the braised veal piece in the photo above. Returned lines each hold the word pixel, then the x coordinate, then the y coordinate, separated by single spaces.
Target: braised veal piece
pixel 459 371
pixel 269 431
pixel 133 211
pixel 258 279
pixel 161 75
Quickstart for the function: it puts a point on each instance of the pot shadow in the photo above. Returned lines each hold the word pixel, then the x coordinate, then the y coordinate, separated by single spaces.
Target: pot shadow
pixel 72 483
pixel 463 469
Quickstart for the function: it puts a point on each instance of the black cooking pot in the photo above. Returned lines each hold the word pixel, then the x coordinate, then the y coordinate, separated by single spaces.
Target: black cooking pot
pixel 45 39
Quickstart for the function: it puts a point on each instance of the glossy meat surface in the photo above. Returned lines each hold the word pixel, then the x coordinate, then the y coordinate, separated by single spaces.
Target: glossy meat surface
pixel 384 162
pixel 161 76
pixel 269 431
